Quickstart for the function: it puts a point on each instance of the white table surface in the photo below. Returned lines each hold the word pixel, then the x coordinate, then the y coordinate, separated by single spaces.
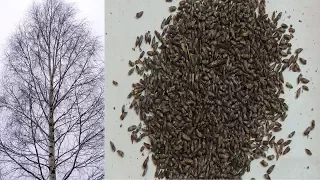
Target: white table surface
pixel 121 31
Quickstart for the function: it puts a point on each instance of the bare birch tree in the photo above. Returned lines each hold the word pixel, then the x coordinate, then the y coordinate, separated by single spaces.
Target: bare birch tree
pixel 53 98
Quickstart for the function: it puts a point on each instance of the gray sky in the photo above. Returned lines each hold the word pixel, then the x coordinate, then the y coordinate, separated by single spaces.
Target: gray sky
pixel 12 12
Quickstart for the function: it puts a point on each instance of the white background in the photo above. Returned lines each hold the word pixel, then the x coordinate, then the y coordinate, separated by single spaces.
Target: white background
pixel 122 29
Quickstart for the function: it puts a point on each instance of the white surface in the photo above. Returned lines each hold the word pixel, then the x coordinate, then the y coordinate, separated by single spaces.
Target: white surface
pixel 122 29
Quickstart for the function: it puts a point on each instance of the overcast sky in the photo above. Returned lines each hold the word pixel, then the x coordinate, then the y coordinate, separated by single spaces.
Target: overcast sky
pixel 12 12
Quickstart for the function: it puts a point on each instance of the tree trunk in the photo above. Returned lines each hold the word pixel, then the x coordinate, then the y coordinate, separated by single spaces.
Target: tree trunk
pixel 52 164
